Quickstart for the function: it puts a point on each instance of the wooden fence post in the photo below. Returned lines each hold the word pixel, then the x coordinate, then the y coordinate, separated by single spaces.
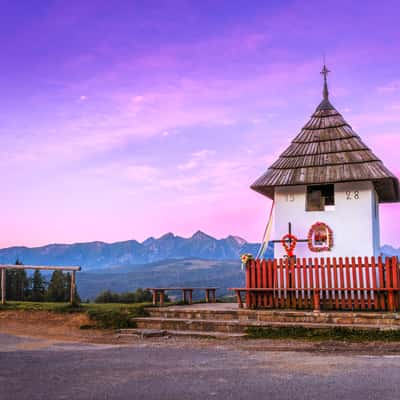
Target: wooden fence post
pixel 3 286
pixel 154 297
pixel 389 285
pixel 317 305
pixel 72 294
pixel 248 284
pixel 395 282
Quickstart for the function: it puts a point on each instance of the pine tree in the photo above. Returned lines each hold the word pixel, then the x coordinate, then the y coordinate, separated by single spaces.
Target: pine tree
pixel 38 286
pixel 57 287
pixel 11 280
pixel 21 285
pixel 17 284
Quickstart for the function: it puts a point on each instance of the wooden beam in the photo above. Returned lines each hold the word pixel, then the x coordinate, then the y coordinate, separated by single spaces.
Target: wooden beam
pixel 3 286
pixel 44 267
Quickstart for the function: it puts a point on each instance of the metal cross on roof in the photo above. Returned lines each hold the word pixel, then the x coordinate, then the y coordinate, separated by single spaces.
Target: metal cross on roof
pixel 325 71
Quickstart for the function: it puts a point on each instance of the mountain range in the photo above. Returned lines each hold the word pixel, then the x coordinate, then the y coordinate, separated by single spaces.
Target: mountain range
pixel 170 260
pixel 100 255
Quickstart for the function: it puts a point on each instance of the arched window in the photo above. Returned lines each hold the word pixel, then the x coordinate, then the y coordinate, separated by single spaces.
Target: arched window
pixel 320 237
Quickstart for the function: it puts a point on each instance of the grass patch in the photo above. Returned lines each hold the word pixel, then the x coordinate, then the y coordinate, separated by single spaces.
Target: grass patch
pixel 40 306
pixel 114 315
pixel 105 316
pixel 335 333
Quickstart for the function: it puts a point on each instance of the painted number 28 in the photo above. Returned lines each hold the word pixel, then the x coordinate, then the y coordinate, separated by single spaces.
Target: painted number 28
pixel 353 195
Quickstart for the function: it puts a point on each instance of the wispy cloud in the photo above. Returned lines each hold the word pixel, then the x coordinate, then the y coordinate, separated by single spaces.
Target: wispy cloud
pixel 391 87
pixel 197 158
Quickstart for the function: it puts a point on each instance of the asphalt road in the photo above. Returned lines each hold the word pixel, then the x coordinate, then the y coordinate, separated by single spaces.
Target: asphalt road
pixel 36 369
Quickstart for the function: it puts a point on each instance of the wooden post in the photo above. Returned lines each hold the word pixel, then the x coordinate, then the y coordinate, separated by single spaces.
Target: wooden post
pixel 239 298
pixel 317 304
pixel 382 285
pixel 184 295
pixel 3 286
pixel 214 295
pixel 258 282
pixel 207 295
pixel 162 296
pixel 389 285
pixel 72 294
pixel 264 276
pixel 248 283
pixel 154 297
pixel 395 283
pixel 190 296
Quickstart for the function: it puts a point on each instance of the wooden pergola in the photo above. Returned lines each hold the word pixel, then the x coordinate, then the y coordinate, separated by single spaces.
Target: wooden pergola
pixel 4 267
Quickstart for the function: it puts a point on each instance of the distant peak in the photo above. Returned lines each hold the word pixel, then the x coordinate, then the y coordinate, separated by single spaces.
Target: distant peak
pixel 201 235
pixel 148 241
pixel 237 239
pixel 168 235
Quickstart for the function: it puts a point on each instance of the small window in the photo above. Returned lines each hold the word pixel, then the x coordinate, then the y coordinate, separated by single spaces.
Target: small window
pixel 320 196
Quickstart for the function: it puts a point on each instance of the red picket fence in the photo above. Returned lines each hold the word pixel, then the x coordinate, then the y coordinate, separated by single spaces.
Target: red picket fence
pixel 324 283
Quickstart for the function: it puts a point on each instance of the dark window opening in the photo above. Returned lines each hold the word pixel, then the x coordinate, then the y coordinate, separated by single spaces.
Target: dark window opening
pixel 320 196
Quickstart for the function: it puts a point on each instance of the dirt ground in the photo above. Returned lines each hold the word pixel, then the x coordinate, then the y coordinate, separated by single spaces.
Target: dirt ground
pixel 55 327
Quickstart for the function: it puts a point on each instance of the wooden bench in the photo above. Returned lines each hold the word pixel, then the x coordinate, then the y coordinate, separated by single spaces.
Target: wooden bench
pixel 315 293
pixel 187 294
pixel 254 291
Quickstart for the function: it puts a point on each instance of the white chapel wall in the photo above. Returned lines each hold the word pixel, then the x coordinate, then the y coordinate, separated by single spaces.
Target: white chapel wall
pixel 353 220
pixel 376 224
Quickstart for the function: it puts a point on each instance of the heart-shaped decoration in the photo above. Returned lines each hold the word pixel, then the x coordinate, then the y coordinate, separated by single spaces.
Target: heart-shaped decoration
pixel 289 243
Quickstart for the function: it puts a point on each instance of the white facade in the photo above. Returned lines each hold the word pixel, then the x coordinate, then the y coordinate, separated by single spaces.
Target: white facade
pixel 354 220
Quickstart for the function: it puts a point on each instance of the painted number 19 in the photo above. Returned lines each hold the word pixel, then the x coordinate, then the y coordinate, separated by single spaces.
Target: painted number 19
pixel 290 197
pixel 353 195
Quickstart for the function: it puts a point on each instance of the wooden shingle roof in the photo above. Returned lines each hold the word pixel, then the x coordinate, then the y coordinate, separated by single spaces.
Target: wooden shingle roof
pixel 327 150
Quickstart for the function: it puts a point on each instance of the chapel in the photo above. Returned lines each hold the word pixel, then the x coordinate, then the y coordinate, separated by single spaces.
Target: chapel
pixel 327 187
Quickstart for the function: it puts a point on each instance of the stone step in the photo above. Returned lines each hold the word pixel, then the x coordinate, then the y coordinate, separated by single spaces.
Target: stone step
pixel 163 332
pixel 238 326
pixel 283 316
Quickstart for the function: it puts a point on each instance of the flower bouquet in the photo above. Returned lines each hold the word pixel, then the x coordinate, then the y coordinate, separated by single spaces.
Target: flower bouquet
pixel 245 258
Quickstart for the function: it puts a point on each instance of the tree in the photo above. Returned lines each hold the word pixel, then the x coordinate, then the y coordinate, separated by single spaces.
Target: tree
pixel 38 286
pixel 57 287
pixel 143 296
pixel 107 297
pixel 60 288
pixel 17 283
pixel 139 296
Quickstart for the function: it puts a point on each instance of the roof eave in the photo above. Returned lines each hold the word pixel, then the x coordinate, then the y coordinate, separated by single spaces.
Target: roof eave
pixel 388 189
pixel 268 191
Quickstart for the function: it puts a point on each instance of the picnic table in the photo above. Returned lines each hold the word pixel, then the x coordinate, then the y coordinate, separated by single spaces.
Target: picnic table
pixel 187 294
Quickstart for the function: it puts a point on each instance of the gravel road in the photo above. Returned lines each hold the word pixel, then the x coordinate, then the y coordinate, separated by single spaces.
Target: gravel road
pixel 39 369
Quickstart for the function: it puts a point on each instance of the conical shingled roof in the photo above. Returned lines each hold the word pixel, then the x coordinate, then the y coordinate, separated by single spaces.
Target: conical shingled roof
pixel 327 150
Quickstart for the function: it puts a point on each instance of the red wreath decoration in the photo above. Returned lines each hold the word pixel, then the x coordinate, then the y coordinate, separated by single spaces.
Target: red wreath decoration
pixel 293 242
pixel 318 249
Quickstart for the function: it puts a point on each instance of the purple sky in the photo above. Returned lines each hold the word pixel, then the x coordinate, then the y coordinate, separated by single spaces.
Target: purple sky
pixel 125 119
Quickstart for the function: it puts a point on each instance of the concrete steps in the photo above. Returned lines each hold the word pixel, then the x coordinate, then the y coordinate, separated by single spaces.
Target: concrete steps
pixel 282 316
pixel 237 326
pixel 222 320
pixel 143 333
